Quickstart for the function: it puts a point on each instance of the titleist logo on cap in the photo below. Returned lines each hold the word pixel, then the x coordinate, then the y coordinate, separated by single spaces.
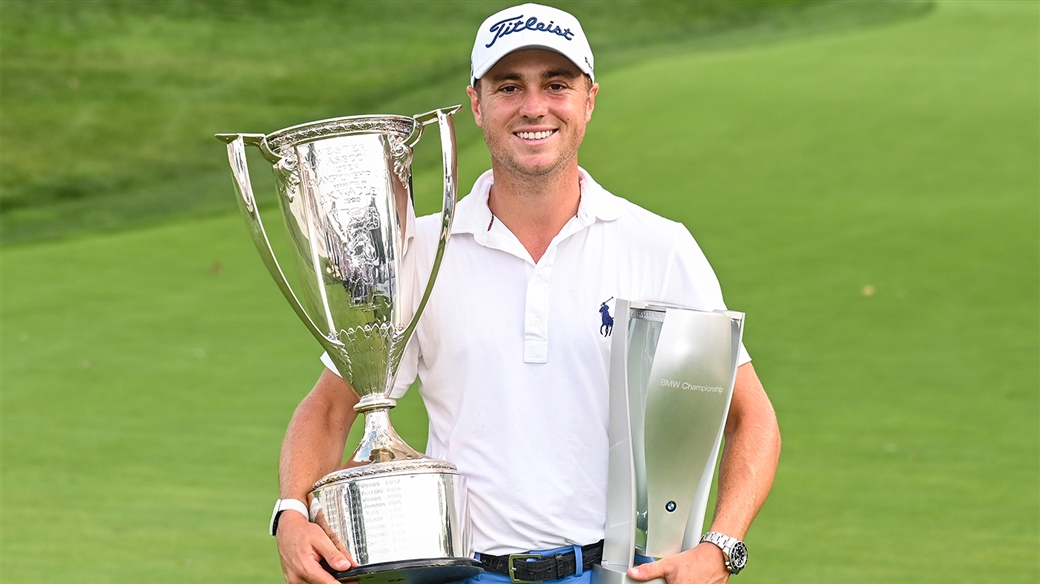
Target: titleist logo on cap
pixel 539 27
pixel 518 24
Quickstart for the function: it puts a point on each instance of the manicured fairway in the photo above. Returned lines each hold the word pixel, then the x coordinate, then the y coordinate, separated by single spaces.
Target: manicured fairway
pixel 869 198
pixel 903 159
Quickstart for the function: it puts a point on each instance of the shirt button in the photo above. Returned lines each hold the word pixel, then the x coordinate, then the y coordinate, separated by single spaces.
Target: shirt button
pixel 537 321
pixel 538 280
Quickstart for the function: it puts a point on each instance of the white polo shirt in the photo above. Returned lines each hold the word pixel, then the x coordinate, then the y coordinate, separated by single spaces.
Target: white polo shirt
pixel 512 356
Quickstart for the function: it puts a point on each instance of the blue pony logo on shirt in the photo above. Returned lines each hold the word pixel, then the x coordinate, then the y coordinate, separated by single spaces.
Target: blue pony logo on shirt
pixel 608 321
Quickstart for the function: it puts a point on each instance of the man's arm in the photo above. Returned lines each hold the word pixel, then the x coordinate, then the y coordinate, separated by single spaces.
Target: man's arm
pixel 313 447
pixel 749 462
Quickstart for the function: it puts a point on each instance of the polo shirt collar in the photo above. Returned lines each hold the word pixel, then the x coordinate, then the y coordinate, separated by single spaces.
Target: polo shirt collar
pixel 473 215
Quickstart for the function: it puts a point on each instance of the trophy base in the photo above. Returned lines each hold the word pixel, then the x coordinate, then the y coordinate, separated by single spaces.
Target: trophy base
pixel 434 571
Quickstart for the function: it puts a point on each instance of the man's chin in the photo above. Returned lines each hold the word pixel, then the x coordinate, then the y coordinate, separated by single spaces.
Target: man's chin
pixel 535 169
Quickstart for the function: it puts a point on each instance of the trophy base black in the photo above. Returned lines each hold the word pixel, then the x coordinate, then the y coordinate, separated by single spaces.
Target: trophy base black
pixel 433 571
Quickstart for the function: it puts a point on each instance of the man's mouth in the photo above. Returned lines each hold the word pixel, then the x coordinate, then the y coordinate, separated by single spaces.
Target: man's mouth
pixel 534 135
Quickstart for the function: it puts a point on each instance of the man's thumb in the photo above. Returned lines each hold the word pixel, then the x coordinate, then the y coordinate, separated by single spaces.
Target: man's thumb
pixel 337 560
pixel 647 571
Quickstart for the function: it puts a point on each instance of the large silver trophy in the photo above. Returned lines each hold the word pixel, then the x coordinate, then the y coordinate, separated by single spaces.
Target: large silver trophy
pixel 671 380
pixel 344 188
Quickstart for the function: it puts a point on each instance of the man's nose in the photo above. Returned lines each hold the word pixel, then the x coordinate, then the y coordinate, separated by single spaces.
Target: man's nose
pixel 535 105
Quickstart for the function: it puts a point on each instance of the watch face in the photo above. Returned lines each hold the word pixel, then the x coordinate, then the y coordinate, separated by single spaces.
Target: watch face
pixel 738 556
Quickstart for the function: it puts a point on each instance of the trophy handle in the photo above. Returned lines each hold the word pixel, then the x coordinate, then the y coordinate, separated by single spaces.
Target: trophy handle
pixel 450 161
pixel 236 146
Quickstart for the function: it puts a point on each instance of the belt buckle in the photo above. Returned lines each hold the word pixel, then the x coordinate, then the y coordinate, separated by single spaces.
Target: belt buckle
pixel 512 567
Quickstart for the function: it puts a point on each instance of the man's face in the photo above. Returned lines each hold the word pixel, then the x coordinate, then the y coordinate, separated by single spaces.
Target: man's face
pixel 533 106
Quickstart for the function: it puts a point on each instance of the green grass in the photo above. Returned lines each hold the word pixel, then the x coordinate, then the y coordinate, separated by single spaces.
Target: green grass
pixel 147 376
pixel 905 159
pixel 110 107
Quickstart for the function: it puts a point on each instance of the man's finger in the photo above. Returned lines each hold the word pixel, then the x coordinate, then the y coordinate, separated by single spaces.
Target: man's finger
pixel 332 555
pixel 315 574
pixel 649 571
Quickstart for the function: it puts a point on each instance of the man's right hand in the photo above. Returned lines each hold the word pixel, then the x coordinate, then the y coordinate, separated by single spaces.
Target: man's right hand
pixel 302 545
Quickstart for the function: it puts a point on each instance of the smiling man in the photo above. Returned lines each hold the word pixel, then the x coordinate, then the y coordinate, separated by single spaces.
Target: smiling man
pixel 512 351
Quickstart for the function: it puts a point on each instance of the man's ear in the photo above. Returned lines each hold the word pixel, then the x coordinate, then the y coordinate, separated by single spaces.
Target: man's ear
pixel 474 105
pixel 592 102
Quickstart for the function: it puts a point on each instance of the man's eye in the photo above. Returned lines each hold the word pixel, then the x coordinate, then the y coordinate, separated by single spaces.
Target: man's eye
pixel 557 86
pixel 509 89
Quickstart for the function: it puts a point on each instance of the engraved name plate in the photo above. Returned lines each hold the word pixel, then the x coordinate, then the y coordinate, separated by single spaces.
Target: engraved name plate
pixel 395 513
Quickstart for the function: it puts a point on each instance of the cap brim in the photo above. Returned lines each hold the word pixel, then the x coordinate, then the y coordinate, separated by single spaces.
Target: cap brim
pixel 484 68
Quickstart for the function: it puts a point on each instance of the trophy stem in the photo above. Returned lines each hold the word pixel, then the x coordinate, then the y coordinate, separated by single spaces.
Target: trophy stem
pixel 380 442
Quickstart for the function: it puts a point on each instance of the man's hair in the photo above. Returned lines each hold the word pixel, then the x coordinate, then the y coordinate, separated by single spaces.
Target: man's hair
pixel 588 83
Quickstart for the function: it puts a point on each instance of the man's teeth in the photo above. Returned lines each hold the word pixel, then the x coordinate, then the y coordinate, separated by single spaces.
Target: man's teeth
pixel 535 135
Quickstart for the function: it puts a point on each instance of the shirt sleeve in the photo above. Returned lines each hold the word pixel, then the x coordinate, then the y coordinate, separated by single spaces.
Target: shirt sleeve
pixel 691 280
pixel 406 372
pixel 329 364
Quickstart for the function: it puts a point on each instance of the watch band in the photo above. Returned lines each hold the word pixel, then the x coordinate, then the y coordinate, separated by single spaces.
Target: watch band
pixel 733 550
pixel 287 505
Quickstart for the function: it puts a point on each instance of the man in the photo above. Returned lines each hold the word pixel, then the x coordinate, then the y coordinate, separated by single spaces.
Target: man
pixel 512 351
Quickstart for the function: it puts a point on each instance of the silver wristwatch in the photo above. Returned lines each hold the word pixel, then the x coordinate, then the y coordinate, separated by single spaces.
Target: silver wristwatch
pixel 732 548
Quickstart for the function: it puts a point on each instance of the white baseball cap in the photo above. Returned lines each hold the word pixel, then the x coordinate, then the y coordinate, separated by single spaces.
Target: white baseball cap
pixel 530 26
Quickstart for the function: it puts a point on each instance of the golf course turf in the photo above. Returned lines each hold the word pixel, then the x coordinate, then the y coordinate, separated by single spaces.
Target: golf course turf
pixel 868 196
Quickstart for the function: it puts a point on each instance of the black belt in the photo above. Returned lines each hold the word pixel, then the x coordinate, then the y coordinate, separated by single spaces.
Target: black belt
pixel 538 568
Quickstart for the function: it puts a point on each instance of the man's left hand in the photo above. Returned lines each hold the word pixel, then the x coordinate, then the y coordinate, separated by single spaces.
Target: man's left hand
pixel 703 564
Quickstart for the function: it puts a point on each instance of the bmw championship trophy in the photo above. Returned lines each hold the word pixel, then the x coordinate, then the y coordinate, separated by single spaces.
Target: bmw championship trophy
pixel 671 380
pixel 344 190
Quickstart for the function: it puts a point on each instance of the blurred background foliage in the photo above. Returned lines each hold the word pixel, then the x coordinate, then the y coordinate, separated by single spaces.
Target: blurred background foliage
pixel 109 107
